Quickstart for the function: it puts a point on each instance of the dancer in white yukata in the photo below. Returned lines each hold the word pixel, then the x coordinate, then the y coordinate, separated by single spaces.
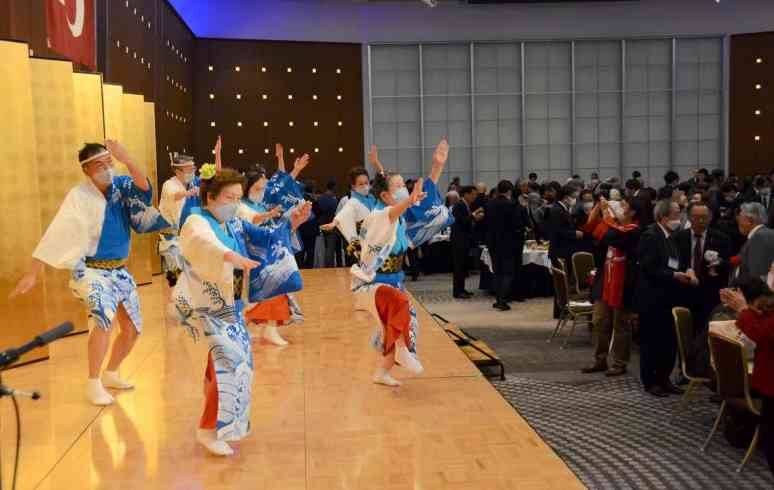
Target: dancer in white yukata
pixel 219 250
pixel 399 221
pixel 90 234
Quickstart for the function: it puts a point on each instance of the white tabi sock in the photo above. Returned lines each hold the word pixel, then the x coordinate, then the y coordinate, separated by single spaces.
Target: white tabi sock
pixel 383 377
pixel 96 393
pixel 206 437
pixel 271 335
pixel 408 360
pixel 111 379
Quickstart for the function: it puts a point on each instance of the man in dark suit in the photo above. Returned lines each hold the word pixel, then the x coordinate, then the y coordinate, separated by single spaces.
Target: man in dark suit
pixel 462 238
pixel 560 228
pixel 757 253
pixel 634 189
pixel 505 233
pixel 657 282
pixel 694 246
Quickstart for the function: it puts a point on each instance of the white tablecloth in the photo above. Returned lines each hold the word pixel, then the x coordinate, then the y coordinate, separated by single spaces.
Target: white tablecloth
pixel 537 257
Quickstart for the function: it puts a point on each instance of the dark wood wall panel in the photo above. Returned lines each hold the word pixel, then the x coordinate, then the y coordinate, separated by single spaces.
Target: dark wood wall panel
pixel 748 156
pixel 225 83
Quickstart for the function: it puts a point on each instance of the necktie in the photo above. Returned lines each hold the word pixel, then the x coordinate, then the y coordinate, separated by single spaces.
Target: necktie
pixel 697 254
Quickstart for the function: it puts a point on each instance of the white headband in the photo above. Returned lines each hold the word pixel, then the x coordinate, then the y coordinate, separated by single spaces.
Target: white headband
pixel 94 157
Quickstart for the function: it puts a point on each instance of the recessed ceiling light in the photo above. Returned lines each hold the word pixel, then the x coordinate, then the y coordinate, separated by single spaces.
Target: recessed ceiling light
pixel 757 112
pixel 757 138
pixel 341 123
pixel 314 97
pixel 212 96
pixel 263 69
pixel 290 70
pixel 292 150
pixel 264 96
pixel 265 124
pixel 212 124
pixel 236 68
pixel 239 96
pixel 290 124
pixel 758 86
pixel 759 60
pixel 338 97
pixel 290 96
pixel 315 123
pixel 341 149
pixel 314 70
pixel 266 150
pixel 210 68
pixel 317 150
pixel 338 71
pixel 241 151
pixel 239 124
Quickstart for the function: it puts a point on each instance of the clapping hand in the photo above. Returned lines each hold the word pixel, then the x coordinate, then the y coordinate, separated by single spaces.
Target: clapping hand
pixel 734 299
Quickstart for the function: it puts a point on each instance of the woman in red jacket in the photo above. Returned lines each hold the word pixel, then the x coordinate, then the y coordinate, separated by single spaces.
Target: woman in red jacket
pixel 756 320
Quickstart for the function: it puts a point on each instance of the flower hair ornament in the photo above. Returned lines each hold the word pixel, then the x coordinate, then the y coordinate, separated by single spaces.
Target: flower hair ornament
pixel 207 171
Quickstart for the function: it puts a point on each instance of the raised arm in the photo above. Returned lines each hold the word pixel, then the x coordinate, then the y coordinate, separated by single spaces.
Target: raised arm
pixel 440 155
pixel 373 159
pixel 218 159
pixel 279 152
pixel 138 175
pixel 299 165
pixel 416 195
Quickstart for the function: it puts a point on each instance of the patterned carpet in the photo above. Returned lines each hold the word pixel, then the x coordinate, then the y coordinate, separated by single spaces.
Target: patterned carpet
pixel 607 430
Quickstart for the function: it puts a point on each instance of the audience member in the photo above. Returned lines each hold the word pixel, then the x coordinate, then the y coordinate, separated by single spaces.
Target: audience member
pixel 462 239
pixel 505 232
pixel 757 253
pixel 326 211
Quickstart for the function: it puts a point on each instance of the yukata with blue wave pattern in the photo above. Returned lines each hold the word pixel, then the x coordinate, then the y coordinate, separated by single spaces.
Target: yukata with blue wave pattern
pixel 208 300
pixel 383 241
pixel 90 228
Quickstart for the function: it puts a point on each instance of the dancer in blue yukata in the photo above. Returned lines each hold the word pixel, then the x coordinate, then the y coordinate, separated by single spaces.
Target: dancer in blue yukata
pixel 90 235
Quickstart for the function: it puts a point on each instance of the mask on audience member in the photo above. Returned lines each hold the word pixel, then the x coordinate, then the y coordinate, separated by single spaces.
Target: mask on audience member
pixel 105 177
pixel 400 194
pixel 588 206
pixel 572 202
pixel 256 196
pixel 188 177
pixel 225 212
pixel 765 191
pixel 363 190
pixel 673 224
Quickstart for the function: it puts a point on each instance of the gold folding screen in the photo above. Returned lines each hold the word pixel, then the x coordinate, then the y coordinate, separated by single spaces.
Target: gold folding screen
pixel 56 133
pixel 19 200
pixel 133 134
pixel 153 174
pixel 88 107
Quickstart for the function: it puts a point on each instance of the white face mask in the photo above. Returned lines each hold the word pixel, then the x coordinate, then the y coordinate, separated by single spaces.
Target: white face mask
pixel 588 206
pixel 400 194
pixel 363 190
pixel 105 177
pixel 572 202
pixel 225 212
pixel 187 178
pixel 673 224
pixel 256 196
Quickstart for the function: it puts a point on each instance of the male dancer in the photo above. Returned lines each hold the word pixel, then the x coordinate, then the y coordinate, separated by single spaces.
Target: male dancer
pixel 90 234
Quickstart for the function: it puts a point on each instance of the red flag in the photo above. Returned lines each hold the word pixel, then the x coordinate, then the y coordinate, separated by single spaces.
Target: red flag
pixel 70 25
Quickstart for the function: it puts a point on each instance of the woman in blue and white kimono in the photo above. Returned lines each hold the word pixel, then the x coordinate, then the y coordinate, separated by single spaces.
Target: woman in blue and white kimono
pixel 399 221
pixel 218 250
pixel 269 202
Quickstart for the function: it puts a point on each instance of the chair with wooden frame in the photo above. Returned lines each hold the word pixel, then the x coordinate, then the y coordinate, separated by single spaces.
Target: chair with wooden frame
pixel 685 332
pixel 569 309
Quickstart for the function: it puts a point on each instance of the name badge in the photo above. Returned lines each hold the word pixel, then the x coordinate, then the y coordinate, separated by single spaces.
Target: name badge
pixel 673 263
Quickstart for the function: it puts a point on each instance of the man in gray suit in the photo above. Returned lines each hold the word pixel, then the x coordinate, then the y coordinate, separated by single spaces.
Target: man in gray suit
pixel 757 254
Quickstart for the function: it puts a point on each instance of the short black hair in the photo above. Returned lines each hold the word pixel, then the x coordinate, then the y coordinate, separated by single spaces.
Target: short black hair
pixel 727 187
pixel 633 184
pixel 532 175
pixel 565 191
pixel 671 177
pixel 356 172
pixel 331 185
pixel 703 171
pixel 636 174
pixel 636 206
pixel 664 193
pixel 685 187
pixel 89 150
pixel 504 186
pixel 760 181
pixel 467 189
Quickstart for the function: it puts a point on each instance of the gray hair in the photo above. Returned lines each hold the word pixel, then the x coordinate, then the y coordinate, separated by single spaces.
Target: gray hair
pixel 755 211
pixel 662 209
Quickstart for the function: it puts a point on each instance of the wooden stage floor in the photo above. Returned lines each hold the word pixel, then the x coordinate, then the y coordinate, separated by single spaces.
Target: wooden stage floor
pixel 318 421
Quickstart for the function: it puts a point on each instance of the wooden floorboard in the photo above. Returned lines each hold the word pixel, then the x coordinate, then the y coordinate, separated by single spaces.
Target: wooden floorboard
pixel 318 422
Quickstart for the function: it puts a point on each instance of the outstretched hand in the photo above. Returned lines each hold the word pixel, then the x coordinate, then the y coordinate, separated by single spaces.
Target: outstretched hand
pixel 118 151
pixel 300 214
pixel 440 155
pixel 299 165
pixel 417 195
pixel 240 261
pixel 373 159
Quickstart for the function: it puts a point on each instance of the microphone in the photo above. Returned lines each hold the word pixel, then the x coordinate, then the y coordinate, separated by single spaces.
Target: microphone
pixel 12 355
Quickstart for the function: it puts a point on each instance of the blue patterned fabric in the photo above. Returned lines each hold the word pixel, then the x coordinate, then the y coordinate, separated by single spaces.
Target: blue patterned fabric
pixel 428 217
pixel 127 208
pixel 103 291
pixel 282 190
pixel 271 245
pixel 191 202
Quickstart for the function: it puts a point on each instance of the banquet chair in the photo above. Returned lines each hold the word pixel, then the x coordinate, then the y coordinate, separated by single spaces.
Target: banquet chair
pixel 685 332
pixel 733 386
pixel 569 309
pixel 582 265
